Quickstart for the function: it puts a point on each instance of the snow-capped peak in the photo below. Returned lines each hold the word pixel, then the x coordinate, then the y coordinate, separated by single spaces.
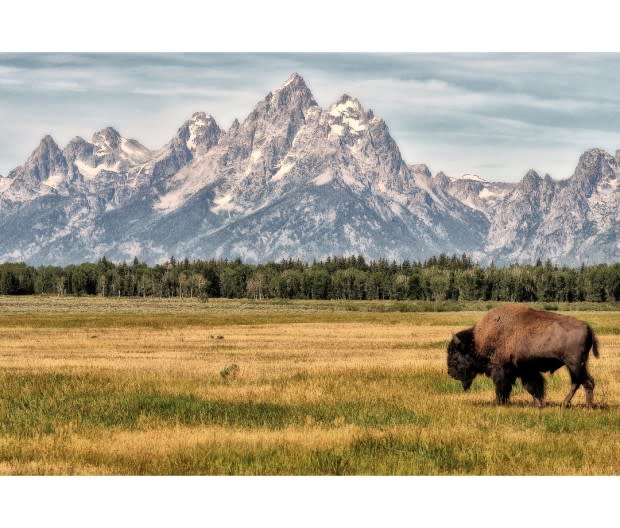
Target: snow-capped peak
pixel 108 138
pixel 347 116
pixel 203 132
pixel 201 118
pixel 473 177
pixel 346 104
pixel 111 148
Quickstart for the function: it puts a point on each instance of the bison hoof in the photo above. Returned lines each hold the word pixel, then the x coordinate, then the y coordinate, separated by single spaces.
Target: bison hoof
pixel 539 403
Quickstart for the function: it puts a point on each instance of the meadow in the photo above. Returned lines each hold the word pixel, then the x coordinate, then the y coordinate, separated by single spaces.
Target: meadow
pixel 131 386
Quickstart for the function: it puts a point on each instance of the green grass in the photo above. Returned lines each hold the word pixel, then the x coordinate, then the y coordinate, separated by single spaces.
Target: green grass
pixel 321 390
pixel 50 404
pixel 40 404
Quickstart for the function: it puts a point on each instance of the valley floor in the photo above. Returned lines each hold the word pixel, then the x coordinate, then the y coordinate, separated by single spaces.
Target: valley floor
pixel 96 386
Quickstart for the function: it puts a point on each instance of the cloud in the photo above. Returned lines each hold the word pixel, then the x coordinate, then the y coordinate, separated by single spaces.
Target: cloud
pixel 485 109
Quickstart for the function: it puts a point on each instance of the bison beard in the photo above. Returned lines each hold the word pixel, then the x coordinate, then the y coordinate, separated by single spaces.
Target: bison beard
pixel 515 341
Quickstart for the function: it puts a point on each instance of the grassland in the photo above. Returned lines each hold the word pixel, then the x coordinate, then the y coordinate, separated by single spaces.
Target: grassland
pixel 145 386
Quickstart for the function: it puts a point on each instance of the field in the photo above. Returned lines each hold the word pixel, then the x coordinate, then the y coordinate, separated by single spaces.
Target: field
pixel 95 386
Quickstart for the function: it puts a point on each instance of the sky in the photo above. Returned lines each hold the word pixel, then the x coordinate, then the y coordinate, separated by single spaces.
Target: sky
pixel 492 114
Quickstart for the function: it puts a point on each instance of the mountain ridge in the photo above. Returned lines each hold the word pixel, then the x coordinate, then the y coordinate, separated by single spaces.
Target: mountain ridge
pixel 293 180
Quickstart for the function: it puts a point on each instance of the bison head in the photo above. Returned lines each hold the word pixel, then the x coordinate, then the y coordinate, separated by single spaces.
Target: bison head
pixel 462 363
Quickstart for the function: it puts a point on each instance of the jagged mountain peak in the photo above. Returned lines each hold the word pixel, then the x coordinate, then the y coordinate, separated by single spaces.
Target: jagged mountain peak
pixel 594 152
pixel 348 105
pixel 347 117
pixel 201 116
pixel 346 98
pixel 108 136
pixel 531 177
pixel 47 147
pixel 79 149
pixel 595 167
pixel 48 142
pixel 46 166
pixel 46 159
pixel 421 168
pixel 441 180
pixel 112 148
pixel 199 133
pixel 530 183
pixel 293 94
pixel 294 81
pixel 591 162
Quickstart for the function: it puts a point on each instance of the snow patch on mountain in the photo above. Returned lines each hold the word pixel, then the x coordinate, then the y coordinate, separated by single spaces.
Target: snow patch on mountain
pixel 170 201
pixel 324 178
pixel 225 203
pixel 488 193
pixel 283 171
pixel 54 180
pixel 134 152
pixel 4 183
pixel 473 177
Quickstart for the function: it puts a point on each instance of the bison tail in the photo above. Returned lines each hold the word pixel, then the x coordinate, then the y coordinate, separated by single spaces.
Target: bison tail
pixel 594 341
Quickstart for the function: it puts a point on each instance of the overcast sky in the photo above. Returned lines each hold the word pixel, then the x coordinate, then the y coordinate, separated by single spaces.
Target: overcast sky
pixel 496 115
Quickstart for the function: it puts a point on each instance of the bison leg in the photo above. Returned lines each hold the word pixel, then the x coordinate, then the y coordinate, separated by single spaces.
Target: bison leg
pixel 588 385
pixel 576 377
pixel 534 383
pixel 573 389
pixel 503 379
pixel 580 376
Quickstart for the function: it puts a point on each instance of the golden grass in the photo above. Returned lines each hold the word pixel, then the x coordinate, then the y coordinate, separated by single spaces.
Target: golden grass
pixel 124 386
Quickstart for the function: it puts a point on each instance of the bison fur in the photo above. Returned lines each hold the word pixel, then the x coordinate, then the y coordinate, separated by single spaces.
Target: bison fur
pixel 515 341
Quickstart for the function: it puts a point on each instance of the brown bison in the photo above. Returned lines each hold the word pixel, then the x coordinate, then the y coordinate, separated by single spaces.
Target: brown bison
pixel 516 341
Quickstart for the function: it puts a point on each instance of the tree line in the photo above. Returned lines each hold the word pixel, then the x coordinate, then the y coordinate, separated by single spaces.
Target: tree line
pixel 350 278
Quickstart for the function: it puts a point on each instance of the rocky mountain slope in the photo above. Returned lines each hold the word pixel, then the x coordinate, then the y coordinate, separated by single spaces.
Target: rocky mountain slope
pixel 572 221
pixel 292 180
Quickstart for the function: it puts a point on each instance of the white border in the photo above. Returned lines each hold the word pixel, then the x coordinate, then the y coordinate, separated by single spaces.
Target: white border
pixel 315 25
pixel 318 26
pixel 310 501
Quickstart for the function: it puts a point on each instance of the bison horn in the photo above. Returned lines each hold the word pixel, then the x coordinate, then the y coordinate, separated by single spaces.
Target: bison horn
pixel 456 339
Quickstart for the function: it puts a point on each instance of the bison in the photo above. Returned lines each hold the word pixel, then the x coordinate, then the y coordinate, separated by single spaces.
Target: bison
pixel 515 341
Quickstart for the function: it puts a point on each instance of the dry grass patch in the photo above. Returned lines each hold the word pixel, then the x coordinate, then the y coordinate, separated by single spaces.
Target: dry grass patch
pixel 117 386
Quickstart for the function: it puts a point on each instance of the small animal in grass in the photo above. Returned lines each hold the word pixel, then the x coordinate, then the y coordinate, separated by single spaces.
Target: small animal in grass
pixel 230 372
pixel 516 341
pixel 216 337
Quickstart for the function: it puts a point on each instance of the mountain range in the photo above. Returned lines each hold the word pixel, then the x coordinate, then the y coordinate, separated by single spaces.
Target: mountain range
pixel 293 180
